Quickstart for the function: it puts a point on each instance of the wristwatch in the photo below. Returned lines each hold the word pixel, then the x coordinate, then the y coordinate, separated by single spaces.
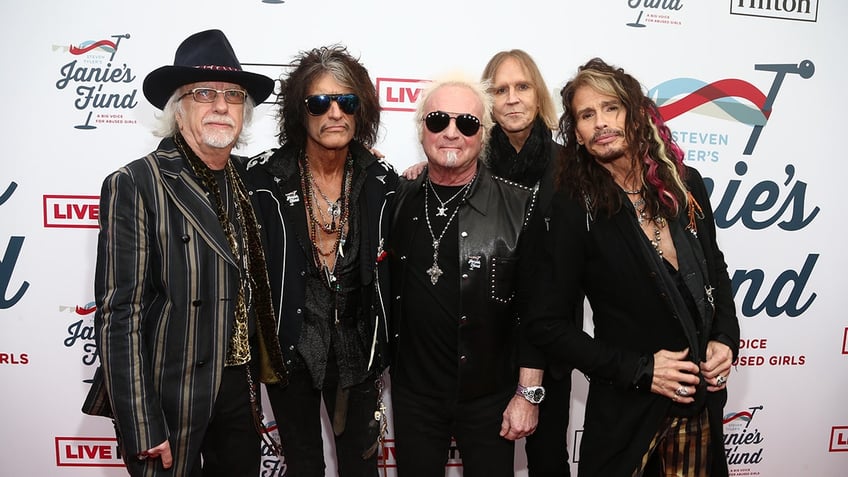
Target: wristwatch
pixel 534 394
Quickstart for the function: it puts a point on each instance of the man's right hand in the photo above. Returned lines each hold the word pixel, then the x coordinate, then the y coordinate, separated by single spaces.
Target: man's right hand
pixel 412 172
pixel 162 451
pixel 675 377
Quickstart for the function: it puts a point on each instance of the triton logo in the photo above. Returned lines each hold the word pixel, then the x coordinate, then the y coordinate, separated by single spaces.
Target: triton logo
pixel 798 10
pixel 721 98
pixel 71 211
pixel 399 94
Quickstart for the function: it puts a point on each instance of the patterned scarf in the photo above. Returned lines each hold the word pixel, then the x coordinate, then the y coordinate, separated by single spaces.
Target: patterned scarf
pixel 252 269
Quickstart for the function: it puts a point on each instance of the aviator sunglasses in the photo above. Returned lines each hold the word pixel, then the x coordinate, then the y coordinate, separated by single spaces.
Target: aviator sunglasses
pixel 319 104
pixel 437 121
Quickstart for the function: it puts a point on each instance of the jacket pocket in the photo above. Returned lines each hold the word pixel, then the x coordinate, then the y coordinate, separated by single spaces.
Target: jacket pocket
pixel 502 277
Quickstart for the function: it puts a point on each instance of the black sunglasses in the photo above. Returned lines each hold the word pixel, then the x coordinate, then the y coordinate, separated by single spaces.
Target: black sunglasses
pixel 319 104
pixel 437 121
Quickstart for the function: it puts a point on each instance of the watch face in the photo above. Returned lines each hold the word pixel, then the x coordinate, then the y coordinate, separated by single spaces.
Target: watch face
pixel 538 395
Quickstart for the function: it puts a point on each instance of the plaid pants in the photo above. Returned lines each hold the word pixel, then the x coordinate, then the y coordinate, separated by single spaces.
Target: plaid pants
pixel 682 447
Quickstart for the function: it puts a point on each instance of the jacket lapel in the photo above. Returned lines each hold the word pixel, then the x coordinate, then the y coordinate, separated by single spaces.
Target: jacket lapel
pixel 639 246
pixel 189 197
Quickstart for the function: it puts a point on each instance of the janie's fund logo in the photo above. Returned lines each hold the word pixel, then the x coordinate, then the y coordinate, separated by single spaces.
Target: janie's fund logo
pixel 102 86
pixel 743 442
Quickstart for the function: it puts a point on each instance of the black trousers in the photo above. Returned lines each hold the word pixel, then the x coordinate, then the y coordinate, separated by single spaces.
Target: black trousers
pixel 297 411
pixel 231 446
pixel 547 447
pixel 424 427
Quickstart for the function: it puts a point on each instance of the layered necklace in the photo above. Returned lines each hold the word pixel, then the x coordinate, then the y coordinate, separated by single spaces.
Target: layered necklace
pixel 331 223
pixel 642 216
pixel 434 271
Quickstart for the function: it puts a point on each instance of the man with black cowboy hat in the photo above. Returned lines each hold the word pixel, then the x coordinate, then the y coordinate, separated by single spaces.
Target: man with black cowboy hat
pixel 185 327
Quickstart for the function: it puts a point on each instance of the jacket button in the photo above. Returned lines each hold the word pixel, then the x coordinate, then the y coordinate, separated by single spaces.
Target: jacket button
pixel 397 298
pixel 464 276
pixel 197 302
pixel 185 238
pixel 463 319
pixel 303 273
pixel 463 234
pixel 463 359
pixel 299 311
pixel 403 257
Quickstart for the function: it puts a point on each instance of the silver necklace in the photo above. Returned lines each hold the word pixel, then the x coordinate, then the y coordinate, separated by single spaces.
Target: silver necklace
pixel 442 210
pixel 435 272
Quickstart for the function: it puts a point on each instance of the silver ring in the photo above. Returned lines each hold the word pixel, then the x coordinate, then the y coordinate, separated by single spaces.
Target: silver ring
pixel 720 380
pixel 682 391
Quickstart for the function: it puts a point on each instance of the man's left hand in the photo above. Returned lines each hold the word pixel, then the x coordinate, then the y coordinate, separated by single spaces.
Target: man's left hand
pixel 519 419
pixel 716 369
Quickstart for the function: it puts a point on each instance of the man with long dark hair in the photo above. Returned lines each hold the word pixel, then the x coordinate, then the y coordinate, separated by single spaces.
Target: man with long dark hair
pixel 633 228
pixel 325 201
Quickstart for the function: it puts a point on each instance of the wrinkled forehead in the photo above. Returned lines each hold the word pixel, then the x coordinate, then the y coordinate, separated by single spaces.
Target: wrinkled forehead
pixel 456 99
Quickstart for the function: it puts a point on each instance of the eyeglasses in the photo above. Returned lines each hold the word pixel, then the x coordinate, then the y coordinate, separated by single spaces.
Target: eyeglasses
pixel 209 95
pixel 437 121
pixel 319 104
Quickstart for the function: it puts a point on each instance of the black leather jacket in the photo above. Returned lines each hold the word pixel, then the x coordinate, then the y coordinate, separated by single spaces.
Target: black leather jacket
pixel 274 180
pixel 490 227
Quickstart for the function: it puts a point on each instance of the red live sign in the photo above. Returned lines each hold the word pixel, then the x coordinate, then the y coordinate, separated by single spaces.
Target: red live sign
pixel 397 94
pixel 88 452
pixel 71 211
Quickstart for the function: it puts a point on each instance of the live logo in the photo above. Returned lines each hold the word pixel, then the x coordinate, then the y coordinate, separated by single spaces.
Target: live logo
pixel 398 94
pixel 71 211
pixel 87 452
pixel 839 439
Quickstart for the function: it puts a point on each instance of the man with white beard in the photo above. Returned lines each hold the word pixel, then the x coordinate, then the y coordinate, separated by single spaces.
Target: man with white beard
pixel 185 327
pixel 454 249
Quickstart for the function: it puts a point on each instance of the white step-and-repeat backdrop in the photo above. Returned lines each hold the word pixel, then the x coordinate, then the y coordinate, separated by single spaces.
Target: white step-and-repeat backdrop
pixel 754 91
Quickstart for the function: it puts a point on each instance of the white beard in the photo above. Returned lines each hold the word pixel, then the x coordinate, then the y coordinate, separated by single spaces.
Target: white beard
pixel 450 159
pixel 218 139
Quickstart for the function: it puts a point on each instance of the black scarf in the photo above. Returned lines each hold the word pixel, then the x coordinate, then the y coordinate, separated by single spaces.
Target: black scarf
pixel 527 165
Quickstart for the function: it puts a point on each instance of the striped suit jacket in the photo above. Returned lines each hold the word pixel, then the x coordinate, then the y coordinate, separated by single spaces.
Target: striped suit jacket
pixel 165 288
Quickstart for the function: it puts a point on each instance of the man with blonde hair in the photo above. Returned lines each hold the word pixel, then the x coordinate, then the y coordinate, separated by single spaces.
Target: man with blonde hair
pixel 455 244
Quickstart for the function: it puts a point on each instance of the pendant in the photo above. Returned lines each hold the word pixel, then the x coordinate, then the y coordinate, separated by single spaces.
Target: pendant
pixel 441 211
pixel 435 272
pixel 334 209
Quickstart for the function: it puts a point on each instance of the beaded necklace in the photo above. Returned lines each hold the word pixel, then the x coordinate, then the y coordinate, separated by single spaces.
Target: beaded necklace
pixel 338 209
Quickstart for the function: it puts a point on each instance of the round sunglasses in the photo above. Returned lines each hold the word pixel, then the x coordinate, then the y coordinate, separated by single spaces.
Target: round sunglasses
pixel 319 104
pixel 437 121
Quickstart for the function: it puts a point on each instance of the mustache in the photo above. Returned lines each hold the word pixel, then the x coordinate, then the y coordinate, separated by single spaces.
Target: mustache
pixel 219 119
pixel 607 132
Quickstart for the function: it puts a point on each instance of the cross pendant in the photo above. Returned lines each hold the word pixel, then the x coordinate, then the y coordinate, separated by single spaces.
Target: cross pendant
pixel 435 272
pixel 441 211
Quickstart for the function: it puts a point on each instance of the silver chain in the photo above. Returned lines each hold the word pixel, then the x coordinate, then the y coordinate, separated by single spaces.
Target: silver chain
pixel 435 272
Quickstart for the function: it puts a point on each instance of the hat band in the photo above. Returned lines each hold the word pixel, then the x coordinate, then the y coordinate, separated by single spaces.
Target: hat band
pixel 217 68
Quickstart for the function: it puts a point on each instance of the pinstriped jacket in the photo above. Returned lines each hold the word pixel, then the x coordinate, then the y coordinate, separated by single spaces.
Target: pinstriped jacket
pixel 165 288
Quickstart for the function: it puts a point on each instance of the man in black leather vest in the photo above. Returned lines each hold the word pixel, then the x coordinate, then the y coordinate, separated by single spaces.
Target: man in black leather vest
pixel 455 246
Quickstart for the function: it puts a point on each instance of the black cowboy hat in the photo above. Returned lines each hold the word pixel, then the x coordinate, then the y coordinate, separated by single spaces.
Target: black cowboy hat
pixel 204 56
